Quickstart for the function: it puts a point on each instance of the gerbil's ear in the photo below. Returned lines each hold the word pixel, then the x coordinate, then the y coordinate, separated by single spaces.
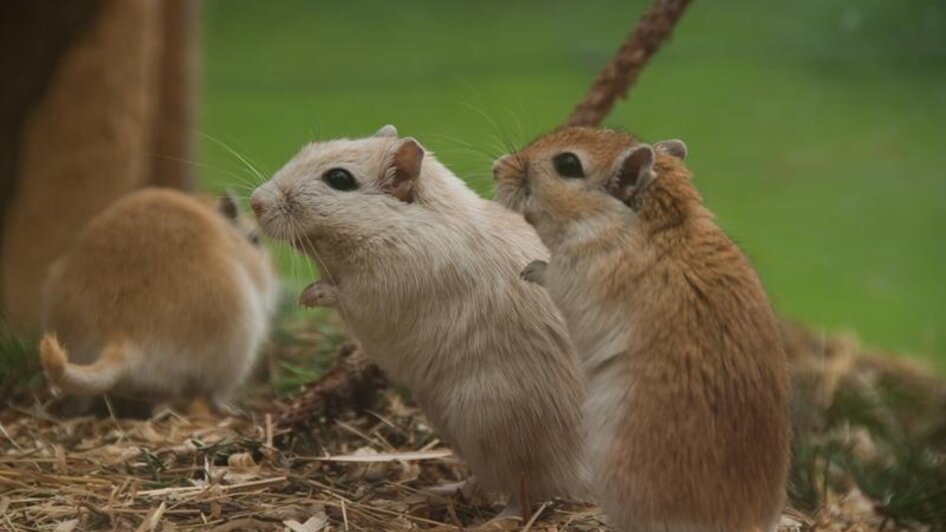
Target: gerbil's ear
pixel 403 169
pixel 387 131
pixel 227 206
pixel 634 173
pixel 673 147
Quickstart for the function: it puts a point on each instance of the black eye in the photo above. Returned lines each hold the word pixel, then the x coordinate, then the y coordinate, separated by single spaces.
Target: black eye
pixel 253 238
pixel 340 179
pixel 568 165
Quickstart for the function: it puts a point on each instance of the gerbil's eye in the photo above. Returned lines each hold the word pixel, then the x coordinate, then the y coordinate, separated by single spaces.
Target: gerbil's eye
pixel 568 165
pixel 254 238
pixel 340 179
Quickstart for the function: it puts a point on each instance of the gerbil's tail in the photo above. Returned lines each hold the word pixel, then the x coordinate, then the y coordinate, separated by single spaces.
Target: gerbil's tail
pixel 93 379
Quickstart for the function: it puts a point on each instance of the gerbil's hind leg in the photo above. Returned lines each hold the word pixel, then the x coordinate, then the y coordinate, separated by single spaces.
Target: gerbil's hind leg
pixel 67 406
pixel 319 294
pixel 534 272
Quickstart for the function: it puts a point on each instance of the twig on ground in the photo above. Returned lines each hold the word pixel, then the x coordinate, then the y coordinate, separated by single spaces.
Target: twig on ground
pixel 352 382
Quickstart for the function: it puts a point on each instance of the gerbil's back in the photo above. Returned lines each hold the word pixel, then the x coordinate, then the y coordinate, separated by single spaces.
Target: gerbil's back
pixel 157 262
pixel 708 354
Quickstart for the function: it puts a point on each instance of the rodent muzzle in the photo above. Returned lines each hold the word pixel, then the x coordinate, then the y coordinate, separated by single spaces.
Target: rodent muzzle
pixel 256 203
pixel 505 168
pixel 272 212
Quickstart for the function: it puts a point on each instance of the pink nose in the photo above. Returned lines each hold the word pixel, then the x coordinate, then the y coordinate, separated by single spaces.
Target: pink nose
pixel 257 205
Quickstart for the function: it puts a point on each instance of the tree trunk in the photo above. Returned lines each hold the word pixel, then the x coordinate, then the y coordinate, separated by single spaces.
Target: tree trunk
pixel 101 106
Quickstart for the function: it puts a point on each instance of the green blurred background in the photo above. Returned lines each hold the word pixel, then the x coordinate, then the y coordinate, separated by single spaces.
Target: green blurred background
pixel 815 126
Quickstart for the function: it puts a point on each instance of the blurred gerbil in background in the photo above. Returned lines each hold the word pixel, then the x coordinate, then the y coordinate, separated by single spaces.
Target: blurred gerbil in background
pixel 162 297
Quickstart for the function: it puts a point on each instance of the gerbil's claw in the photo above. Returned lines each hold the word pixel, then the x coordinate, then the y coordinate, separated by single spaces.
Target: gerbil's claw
pixel 223 408
pixel 318 294
pixel 511 512
pixel 466 488
pixel 534 272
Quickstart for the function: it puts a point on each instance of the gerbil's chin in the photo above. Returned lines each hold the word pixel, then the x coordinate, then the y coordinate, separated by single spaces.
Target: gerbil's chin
pixel 297 239
pixel 278 228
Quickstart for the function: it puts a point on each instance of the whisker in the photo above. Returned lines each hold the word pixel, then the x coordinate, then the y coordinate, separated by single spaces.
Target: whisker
pixel 522 131
pixel 293 253
pixel 499 132
pixel 205 165
pixel 342 306
pixel 236 154
pixel 471 147
pixel 297 235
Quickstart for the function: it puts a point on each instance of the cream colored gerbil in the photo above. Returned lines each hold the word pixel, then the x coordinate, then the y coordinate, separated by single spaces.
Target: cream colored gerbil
pixel 163 296
pixel 688 390
pixel 425 274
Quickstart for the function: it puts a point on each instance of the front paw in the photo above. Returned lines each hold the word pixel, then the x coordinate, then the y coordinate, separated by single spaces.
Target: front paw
pixel 318 294
pixel 534 272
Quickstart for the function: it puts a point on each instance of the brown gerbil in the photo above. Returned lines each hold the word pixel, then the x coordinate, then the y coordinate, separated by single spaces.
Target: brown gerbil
pixel 163 297
pixel 688 390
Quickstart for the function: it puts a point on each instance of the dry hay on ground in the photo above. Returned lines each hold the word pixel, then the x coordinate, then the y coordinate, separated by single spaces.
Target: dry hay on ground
pixel 361 472
pixel 366 471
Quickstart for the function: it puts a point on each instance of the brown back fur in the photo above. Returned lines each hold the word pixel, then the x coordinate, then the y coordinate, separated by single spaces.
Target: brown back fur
pixel 173 279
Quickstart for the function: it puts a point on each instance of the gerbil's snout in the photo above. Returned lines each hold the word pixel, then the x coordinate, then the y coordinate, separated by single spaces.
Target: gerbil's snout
pixel 272 208
pixel 507 167
pixel 512 187
pixel 256 203
pixel 269 200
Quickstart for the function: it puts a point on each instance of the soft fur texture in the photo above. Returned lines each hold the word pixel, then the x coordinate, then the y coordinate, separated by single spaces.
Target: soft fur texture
pixel 162 297
pixel 425 275
pixel 687 413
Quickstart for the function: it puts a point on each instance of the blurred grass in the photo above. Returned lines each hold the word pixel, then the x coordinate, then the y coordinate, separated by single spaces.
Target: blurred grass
pixel 19 364
pixel 301 348
pixel 814 126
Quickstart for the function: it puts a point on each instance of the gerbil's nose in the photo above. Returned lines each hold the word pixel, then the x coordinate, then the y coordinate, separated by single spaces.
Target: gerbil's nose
pixel 256 203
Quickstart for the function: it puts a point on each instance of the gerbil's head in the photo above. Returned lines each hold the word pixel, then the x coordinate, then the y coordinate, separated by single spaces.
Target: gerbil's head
pixel 577 179
pixel 340 188
pixel 226 205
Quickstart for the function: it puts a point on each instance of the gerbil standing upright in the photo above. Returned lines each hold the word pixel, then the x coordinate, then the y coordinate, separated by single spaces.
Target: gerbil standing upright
pixel 688 389
pixel 425 275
